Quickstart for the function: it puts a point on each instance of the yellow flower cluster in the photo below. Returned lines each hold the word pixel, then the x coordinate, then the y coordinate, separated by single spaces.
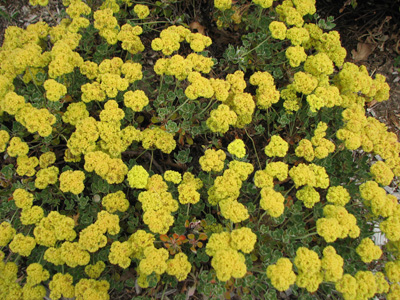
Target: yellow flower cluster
pixel 212 160
pixel 272 202
pixel 113 170
pixel 331 265
pixel 266 93
pixel 296 55
pixel 75 9
pixel 277 147
pixel 93 92
pixel 155 260
pixel 61 285
pixel 72 181
pixel 158 138
pixel 23 199
pixel 277 170
pixel 338 223
pixel 170 38
pixel 338 195
pixel 46 176
pixel 31 215
pixel 226 191
pixel 120 254
pixel 26 165
pixel 281 274
pixel 297 35
pixel 132 71
pixel 264 3
pixel 111 4
pixel 47 159
pixel 12 103
pixel 308 268
pixel 158 204
pixel 36 120
pixel 278 30
pixel 368 251
pixel 221 118
pixel 382 173
pixel 391 227
pixel 142 11
pixel 308 195
pixel 364 285
pixel 136 100
pixel 83 140
pixel 138 177
pixel 289 14
pixel 4 138
pixel 7 233
pixel 94 271
pixel 172 176
pixel 87 289
pixel 116 202
pixel 392 270
pixel 107 24
pixel 179 266
pixel 17 147
pixel 199 86
pixel 198 42
pixel 10 289
pixel 63 59
pixel 23 245
pixel 375 197
pixel 55 227
pixel 222 4
pixel 75 112
pixel 69 253
pixel 129 36
pixel 188 189
pixel 141 240
pixel 237 148
pixel 224 248
pixel 305 83
pixel 312 175
pixel 54 90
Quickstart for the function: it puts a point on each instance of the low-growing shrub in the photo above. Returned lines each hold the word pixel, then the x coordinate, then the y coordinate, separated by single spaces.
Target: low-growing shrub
pixel 193 148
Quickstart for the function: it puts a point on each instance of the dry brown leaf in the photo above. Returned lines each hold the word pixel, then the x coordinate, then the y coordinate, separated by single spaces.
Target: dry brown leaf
pixel 196 25
pixel 363 51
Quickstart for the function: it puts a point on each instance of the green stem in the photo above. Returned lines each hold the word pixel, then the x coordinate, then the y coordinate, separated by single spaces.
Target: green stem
pixel 251 50
pixel 305 236
pixel 179 107
pixel 255 149
pixel 151 160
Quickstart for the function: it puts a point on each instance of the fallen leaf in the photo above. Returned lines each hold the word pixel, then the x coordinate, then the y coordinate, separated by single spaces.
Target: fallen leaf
pixel 196 25
pixel 363 51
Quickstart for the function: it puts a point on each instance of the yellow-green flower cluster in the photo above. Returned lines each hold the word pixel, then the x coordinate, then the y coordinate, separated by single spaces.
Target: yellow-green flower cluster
pixel 116 202
pixel 107 24
pixel 94 271
pixel 391 227
pixel 31 215
pixel 132 71
pixel 272 202
pixel 338 195
pixel 179 266
pixel 136 100
pixel 120 254
pixel 75 112
pixel 4 138
pixel 312 175
pixel 281 274
pixel 113 170
pixel 296 55
pixel 264 3
pixel 278 30
pixel 46 176
pixel 83 140
pixel 226 191
pixel 266 93
pixel 47 159
pixel 222 4
pixel 71 254
pixel 368 251
pixel 75 9
pixel 199 86
pixel 331 265
pixel 277 147
pixel 212 160
pixel 12 103
pixel 308 195
pixel 338 223
pixel 17 147
pixel 172 176
pixel 72 181
pixel 23 245
pixel 23 199
pixel 188 189
pixel 138 177
pixel 54 90
pixel 289 14
pixel 158 138
pixel 92 289
pixel 237 148
pixel 309 269
pixel 297 35
pixel 26 165
pixel 36 120
pixel 158 204
pixel 55 227
pixel 170 39
pixel 10 289
pixel 61 285
pixel 224 248
pixel 382 173
pixel 155 260
pixel 63 59
pixel 197 41
pixel 375 197
pixel 140 240
pixel 305 83
pixel 129 36
pixel 364 285
pixel 221 118
pixel 7 233
pixel 142 11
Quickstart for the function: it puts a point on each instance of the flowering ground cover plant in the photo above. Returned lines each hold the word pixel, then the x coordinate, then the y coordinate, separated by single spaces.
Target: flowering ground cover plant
pixel 143 158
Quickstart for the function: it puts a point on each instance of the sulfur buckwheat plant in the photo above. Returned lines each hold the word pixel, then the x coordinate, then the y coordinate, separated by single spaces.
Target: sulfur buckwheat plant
pixel 146 153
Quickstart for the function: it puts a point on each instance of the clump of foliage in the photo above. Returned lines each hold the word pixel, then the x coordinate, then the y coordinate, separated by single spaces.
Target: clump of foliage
pixel 142 158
